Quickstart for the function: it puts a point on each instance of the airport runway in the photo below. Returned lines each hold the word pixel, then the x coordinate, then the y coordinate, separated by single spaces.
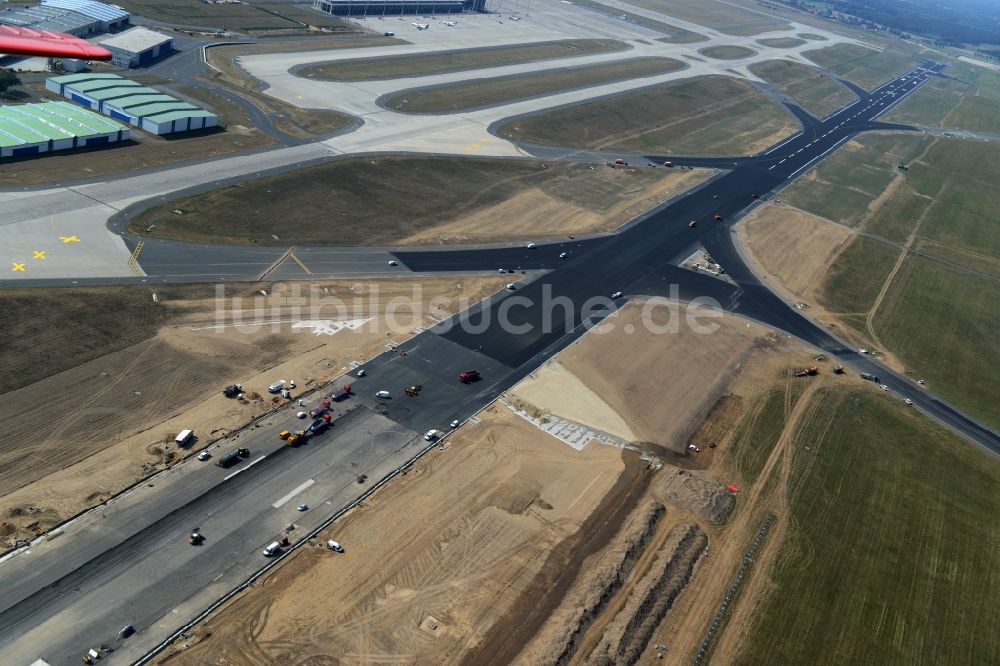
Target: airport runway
pixel 136 568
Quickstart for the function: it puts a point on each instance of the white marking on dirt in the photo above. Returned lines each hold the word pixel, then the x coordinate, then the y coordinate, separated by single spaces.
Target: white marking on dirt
pixel 330 327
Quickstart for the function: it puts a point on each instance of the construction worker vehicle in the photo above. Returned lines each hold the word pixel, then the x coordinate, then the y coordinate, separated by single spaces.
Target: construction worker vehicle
pixel 232 390
pixel 414 390
pixel 292 438
pixel 196 537
pixel 344 391
pixel 807 372
pixel 233 457
pixel 468 376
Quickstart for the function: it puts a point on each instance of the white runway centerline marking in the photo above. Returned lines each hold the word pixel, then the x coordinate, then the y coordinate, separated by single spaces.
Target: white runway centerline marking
pixel 292 494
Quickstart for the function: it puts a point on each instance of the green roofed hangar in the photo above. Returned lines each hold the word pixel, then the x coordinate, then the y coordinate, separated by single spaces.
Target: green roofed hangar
pixel 31 129
pixel 122 99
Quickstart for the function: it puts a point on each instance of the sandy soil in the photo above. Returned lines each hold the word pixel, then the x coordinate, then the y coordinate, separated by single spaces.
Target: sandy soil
pixel 667 383
pixel 792 246
pixel 433 561
pixel 555 390
pixel 538 214
pixel 124 409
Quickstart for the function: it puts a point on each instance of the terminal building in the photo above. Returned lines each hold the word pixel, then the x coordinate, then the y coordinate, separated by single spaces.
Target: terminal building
pixel 131 102
pixel 137 47
pixel 81 18
pixel 32 129
pixel 397 7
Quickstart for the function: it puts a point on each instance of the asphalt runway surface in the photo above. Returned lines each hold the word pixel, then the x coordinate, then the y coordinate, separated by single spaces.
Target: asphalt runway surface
pixel 79 592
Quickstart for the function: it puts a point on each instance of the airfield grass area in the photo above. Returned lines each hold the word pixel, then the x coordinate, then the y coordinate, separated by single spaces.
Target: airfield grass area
pixel 143 150
pixel 892 540
pixel 727 18
pixel 675 34
pixel 727 52
pixel 402 66
pixel 505 89
pixel 862 66
pixel 812 37
pixel 781 42
pixel 707 115
pixel 936 312
pixel 817 94
pixel 385 201
pixel 252 15
pixel 967 100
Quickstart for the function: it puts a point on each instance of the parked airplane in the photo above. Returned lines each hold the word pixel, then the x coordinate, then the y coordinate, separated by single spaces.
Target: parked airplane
pixel 422 26
pixel 450 23
pixel 31 42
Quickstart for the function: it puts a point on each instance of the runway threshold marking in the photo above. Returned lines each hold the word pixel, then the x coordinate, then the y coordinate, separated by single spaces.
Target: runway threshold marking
pixel 299 262
pixel 296 491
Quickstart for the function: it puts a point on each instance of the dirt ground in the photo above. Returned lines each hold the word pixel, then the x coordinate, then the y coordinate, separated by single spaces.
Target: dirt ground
pixel 506 545
pixel 632 386
pixel 793 247
pixel 433 561
pixel 537 213
pixel 124 406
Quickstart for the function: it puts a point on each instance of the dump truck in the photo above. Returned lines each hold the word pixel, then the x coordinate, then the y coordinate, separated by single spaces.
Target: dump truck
pixel 320 424
pixel 468 376
pixel 344 391
pixel 322 407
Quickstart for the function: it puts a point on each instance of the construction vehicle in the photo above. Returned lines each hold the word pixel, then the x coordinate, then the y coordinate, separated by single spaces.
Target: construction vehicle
pixel 232 457
pixel 321 423
pixel 468 376
pixel 414 390
pixel 196 537
pixel 344 391
pixel 718 218
pixel 323 406
pixel 232 390
pixel 839 370
pixel 292 438
pixel 870 377
pixel 808 372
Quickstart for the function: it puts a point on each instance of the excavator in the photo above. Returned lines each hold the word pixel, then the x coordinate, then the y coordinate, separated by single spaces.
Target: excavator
pixel 32 42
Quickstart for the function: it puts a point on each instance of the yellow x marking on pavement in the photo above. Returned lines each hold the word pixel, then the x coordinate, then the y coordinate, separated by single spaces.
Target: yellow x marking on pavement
pixel 39 254
pixel 69 239
pixel 17 267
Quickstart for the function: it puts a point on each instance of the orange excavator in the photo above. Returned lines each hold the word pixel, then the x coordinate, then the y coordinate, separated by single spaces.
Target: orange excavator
pixel 807 372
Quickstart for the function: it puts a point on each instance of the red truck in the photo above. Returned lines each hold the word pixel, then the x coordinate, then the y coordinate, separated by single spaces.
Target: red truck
pixel 468 376
pixel 342 393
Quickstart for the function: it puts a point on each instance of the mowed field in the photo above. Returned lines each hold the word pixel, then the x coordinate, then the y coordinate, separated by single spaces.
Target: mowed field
pixel 893 550
pixel 967 100
pixel 725 17
pixel 863 66
pixel 922 283
pixel 781 42
pixel 423 64
pixel 707 115
pixel 255 15
pixel 394 200
pixel 467 95
pixel 817 94
pixel 726 52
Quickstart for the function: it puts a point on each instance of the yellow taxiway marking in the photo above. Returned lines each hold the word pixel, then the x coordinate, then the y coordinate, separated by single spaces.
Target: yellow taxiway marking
pixel 39 254
pixel 69 239
pixel 17 268
pixel 299 262
pixel 133 261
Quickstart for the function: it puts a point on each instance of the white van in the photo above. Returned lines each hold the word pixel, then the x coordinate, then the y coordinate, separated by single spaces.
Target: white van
pixel 272 549
pixel 381 394
pixel 184 437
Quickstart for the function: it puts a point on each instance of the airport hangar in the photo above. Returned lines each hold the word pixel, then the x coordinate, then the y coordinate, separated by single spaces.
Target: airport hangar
pixel 31 129
pixel 397 7
pixel 128 101
pixel 137 47
pixel 75 17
